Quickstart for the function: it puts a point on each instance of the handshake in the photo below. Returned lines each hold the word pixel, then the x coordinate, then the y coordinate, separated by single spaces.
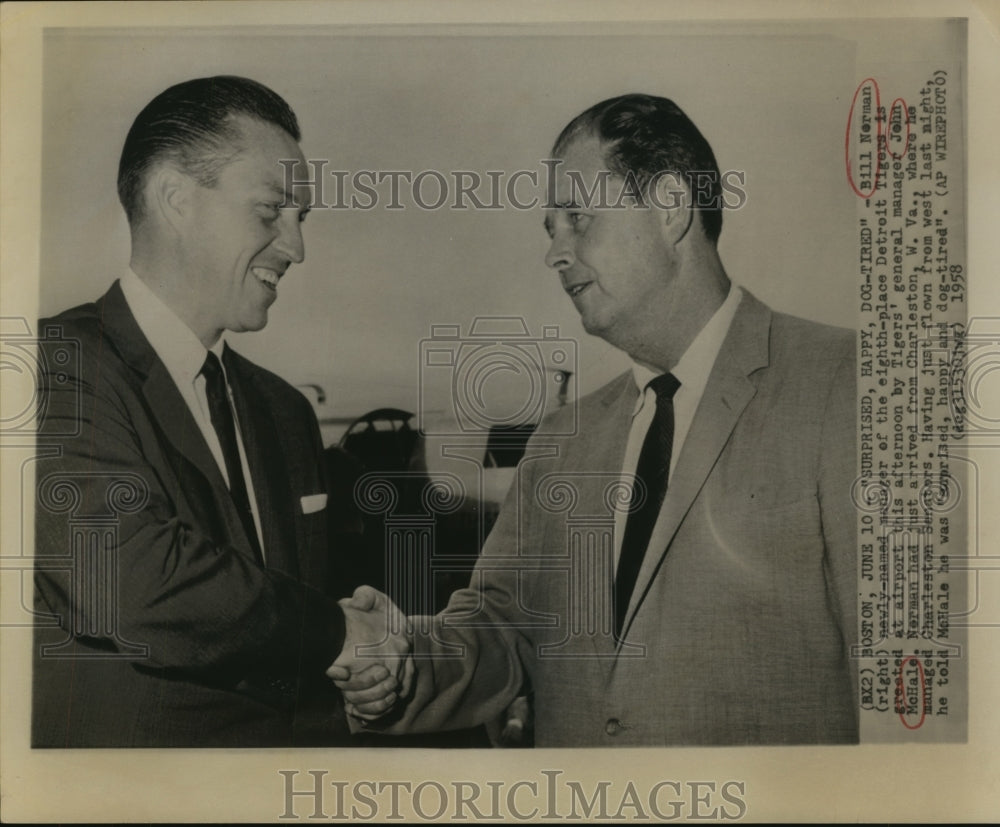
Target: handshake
pixel 375 668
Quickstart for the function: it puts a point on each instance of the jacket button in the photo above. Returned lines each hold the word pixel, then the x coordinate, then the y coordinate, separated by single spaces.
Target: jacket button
pixel 613 727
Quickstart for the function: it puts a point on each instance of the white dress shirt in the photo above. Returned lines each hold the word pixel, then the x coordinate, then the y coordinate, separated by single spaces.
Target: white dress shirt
pixel 183 356
pixel 692 371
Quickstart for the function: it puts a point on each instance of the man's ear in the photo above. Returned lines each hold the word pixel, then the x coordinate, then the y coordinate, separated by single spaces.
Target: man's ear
pixel 670 197
pixel 169 195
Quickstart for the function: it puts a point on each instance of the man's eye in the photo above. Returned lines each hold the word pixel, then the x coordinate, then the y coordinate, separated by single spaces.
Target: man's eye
pixel 577 218
pixel 271 210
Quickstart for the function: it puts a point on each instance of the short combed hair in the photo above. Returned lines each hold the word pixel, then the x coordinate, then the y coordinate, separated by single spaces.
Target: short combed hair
pixel 191 124
pixel 644 136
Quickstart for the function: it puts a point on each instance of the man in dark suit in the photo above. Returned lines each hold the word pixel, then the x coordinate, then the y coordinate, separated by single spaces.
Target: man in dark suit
pixel 181 543
pixel 716 604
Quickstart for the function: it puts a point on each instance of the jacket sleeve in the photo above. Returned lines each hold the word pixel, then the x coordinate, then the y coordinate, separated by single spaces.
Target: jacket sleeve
pixel 152 582
pixel 475 657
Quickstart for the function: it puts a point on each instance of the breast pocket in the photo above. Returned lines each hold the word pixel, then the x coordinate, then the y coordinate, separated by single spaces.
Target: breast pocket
pixel 768 528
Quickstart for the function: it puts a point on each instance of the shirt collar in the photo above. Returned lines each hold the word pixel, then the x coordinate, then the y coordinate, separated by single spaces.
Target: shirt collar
pixel 180 350
pixel 695 365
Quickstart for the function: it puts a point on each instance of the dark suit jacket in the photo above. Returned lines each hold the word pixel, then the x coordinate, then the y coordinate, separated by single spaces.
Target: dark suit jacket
pixel 740 624
pixel 156 627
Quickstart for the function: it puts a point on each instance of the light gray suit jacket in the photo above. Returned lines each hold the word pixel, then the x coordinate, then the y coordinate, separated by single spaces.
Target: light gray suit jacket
pixel 740 624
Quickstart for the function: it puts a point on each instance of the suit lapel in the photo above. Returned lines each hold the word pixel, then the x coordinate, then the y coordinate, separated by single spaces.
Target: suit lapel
pixel 272 488
pixel 174 418
pixel 166 406
pixel 601 467
pixel 727 393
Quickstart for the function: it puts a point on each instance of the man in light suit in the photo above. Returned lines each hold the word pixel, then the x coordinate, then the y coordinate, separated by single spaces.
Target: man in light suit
pixel 716 605
pixel 182 562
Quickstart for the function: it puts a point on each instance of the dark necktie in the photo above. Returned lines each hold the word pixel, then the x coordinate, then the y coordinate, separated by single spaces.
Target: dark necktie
pixel 652 469
pixel 225 428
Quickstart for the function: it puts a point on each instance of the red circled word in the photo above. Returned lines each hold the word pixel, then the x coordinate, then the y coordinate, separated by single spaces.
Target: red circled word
pixel 901 693
pixel 882 139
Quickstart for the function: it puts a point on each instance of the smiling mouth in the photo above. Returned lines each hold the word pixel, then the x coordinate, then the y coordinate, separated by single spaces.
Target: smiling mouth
pixel 266 276
pixel 575 290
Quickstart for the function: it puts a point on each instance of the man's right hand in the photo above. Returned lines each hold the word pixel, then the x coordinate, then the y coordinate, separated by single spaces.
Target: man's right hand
pixel 375 667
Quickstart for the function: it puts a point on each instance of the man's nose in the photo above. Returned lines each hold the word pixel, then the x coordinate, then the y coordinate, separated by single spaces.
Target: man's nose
pixel 289 241
pixel 560 255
